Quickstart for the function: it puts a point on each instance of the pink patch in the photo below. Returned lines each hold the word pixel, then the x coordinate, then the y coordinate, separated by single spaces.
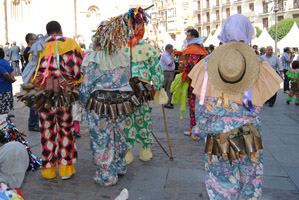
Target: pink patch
pixel 106 85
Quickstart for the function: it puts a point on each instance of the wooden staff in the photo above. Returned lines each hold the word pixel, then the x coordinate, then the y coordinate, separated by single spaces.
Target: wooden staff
pixel 166 129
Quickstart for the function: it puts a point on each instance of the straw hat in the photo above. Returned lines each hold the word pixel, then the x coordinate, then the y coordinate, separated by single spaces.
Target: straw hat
pixel 233 67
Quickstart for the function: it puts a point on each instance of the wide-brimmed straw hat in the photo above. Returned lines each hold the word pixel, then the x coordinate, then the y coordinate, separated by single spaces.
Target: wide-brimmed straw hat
pixel 233 68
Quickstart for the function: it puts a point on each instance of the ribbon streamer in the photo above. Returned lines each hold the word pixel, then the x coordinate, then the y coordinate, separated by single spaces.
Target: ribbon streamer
pixel 247 99
pixel 204 85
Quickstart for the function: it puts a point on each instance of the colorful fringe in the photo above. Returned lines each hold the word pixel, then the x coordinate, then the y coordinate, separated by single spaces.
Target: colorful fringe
pixel 11 133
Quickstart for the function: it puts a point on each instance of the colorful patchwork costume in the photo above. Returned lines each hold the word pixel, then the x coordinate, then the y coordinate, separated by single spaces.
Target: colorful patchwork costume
pixel 293 75
pixel 193 54
pixel 145 67
pixel 51 92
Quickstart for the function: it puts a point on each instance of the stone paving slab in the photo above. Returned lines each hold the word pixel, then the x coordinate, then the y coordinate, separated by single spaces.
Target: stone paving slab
pixel 181 179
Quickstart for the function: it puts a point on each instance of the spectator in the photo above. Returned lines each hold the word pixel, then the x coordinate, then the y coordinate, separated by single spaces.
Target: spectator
pixel 6 51
pixel 168 66
pixel 22 49
pixel 14 57
pixel 255 49
pixel 262 51
pixel 274 61
pixel 33 121
pixel 286 60
pixel 6 80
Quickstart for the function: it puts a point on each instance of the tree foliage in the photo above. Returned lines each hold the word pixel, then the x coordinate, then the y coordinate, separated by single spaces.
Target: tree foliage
pixel 283 27
pixel 213 31
pixel 258 31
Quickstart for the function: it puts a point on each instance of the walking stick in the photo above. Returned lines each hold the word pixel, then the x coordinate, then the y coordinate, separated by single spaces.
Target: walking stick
pixel 166 129
pixel 161 146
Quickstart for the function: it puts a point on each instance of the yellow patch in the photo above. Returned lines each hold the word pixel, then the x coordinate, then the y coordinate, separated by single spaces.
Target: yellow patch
pixel 143 134
pixel 144 74
pixel 140 121
pixel 150 127
pixel 128 122
pixel 159 70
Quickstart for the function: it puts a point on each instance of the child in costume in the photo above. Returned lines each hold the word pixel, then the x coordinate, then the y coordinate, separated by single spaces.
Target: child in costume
pixel 231 89
pixel 107 96
pixel 145 69
pixel 293 74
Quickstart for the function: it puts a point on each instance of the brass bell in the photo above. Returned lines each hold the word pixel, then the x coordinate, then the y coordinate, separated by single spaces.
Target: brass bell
pixel 113 112
pixel 127 107
pixel 120 110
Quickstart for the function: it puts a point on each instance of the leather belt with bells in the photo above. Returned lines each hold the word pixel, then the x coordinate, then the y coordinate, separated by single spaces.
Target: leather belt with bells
pixel 55 92
pixel 142 90
pixel 112 104
pixel 235 143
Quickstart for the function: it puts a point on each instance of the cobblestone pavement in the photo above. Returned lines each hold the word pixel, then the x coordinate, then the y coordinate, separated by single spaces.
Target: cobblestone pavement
pixel 162 179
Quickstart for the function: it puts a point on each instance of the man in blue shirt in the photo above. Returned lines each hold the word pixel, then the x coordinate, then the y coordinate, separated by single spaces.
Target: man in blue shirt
pixel 168 66
pixel 286 61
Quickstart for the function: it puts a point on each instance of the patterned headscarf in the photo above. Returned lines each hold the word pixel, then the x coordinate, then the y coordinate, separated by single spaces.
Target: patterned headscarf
pixel 236 28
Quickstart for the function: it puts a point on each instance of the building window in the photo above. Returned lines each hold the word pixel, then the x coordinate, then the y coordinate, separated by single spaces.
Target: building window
pixel 208 30
pixel 295 15
pixel 251 7
pixel 208 17
pixel 217 15
pixel 265 23
pixel 227 13
pixel 296 4
pixel 199 30
pixel 198 5
pixel 265 7
pixel 208 3
pixel 279 18
pixel 239 10
pixel 217 26
pixel 280 4
pixel 217 2
pixel 199 18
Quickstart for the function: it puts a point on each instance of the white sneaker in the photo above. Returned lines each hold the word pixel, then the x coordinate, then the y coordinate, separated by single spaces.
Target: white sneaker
pixel 187 133
pixel 65 177
pixel 124 195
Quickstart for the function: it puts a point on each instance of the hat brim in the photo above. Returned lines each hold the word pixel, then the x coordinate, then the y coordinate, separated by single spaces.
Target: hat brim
pixel 250 76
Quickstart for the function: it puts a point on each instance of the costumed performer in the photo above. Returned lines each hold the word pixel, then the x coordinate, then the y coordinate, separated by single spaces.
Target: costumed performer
pixel 232 85
pixel 194 52
pixel 293 75
pixel 107 96
pixel 51 90
pixel 145 69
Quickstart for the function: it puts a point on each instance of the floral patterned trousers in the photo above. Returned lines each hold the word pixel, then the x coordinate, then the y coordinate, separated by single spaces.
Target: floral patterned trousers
pixel 240 181
pixel 192 98
pixel 139 127
pixel 109 148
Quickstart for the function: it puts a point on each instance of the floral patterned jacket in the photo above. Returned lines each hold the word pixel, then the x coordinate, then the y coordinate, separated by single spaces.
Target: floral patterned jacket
pixel 213 119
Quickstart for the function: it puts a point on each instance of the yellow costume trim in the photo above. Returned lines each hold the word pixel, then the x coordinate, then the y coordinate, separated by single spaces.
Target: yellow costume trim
pixel 129 157
pixel 160 97
pixel 49 173
pixel 66 170
pixel 78 81
pixel 145 154
pixel 63 47
pixel 142 52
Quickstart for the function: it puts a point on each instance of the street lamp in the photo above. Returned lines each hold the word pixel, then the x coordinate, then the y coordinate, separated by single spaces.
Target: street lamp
pixel 275 9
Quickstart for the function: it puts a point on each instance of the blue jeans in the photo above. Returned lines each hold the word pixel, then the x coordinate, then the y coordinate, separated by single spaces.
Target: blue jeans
pixel 33 118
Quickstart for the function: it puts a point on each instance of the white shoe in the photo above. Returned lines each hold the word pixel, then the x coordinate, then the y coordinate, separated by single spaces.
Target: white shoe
pixel 65 177
pixel 124 195
pixel 187 133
